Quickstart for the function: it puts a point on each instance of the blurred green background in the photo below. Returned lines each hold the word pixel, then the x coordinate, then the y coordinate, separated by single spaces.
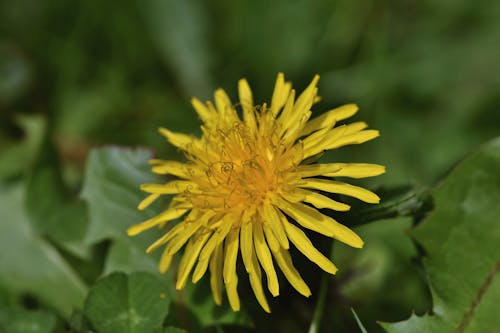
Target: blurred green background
pixel 81 74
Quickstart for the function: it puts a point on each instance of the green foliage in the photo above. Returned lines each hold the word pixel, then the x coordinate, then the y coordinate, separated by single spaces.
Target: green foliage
pixel 171 329
pixel 82 81
pixel 199 302
pixel 460 238
pixel 29 264
pixel 53 211
pixel 22 321
pixel 111 190
pixel 112 180
pixel 120 303
pixel 17 154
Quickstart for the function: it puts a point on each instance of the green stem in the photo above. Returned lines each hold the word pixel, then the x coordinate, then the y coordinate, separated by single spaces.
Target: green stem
pixel 320 305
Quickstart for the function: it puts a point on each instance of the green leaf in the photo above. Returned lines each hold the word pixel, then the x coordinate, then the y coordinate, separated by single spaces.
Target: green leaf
pixel 52 210
pixel 198 304
pixel 367 277
pixel 23 321
pixel 127 303
pixel 28 264
pixel 461 238
pixel 111 190
pixel 79 323
pixel 124 257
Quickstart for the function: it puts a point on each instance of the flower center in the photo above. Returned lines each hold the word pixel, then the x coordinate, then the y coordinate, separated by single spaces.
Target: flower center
pixel 242 169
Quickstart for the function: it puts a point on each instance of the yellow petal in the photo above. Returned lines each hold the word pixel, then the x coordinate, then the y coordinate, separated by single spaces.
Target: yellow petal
pixel 357 170
pixel 270 238
pixel 251 264
pixel 168 215
pixel 292 275
pixel 246 240
pixel 280 94
pixel 224 106
pixel 311 170
pixel 147 201
pixel 229 270
pixel 329 118
pixel 294 121
pixel 319 141
pixel 246 100
pixel 304 245
pixel 165 238
pixel 232 294
pixel 201 268
pixel 191 225
pixel 230 255
pixel 256 283
pixel 286 113
pixel 179 140
pixel 352 170
pixel 173 187
pixel 341 188
pixel 190 256
pixel 201 110
pixel 216 263
pixel 356 138
pixel 272 219
pixel 306 99
pixel 165 261
pixel 312 219
pixel 355 127
pixel 222 101
pixel 175 168
pixel 294 127
pixel 264 256
pixel 183 236
pixel 216 239
pixel 320 201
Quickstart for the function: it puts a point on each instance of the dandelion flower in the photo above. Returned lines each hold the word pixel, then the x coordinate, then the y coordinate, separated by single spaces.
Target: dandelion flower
pixel 251 185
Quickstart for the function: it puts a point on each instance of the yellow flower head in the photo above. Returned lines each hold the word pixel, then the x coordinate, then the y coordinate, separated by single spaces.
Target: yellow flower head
pixel 251 185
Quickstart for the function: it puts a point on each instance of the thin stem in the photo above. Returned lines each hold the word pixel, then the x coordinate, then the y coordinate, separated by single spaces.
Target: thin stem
pixel 320 306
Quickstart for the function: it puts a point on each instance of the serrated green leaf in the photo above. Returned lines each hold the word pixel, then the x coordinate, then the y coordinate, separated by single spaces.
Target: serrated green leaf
pixel 120 303
pixel 461 238
pixel 28 264
pixel 23 321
